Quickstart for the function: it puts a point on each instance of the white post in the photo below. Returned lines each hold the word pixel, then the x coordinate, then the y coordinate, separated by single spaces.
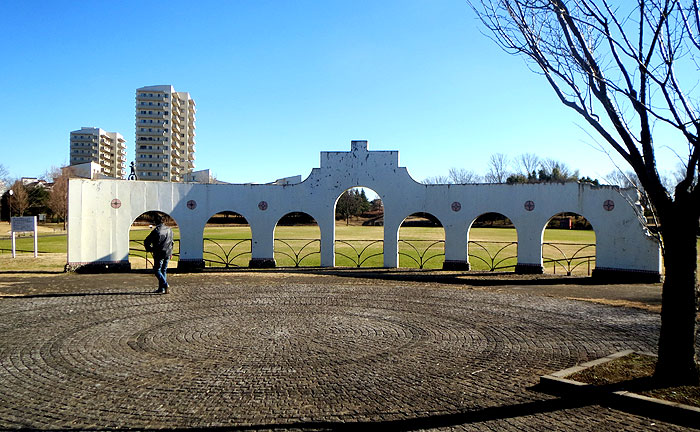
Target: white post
pixel 13 244
pixel 36 243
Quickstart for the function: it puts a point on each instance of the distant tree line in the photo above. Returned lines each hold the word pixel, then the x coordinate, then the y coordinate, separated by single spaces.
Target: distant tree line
pixel 48 195
pixel 525 168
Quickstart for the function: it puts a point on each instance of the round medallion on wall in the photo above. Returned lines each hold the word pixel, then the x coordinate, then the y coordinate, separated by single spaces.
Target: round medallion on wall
pixel 262 205
pixel 609 205
pixel 529 205
pixel 116 203
pixel 456 206
pixel 191 204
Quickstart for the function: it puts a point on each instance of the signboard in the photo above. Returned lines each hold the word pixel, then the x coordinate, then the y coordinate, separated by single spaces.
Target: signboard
pixel 24 224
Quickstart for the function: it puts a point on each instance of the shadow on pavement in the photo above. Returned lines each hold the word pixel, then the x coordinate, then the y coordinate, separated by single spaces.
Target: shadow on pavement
pixel 439 276
pixel 416 423
pixel 79 294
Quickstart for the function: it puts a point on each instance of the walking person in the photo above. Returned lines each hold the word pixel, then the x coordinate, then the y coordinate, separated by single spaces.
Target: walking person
pixel 160 243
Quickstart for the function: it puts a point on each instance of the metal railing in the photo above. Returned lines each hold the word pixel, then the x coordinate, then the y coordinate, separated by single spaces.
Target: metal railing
pixel 360 254
pixel 569 264
pixel 495 255
pixel 223 254
pixel 496 260
pixel 297 256
pixel 421 255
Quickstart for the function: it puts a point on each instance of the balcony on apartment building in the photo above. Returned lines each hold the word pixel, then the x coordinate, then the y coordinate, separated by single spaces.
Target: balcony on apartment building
pixel 150 140
pixel 154 149
pixel 151 96
pixel 84 142
pixel 154 132
pixel 160 115
pixel 157 123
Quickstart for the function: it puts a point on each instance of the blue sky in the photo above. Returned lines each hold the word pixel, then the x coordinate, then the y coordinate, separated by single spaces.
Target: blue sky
pixel 277 82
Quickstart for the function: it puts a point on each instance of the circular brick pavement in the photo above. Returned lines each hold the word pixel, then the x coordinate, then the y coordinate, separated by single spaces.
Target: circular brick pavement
pixel 302 352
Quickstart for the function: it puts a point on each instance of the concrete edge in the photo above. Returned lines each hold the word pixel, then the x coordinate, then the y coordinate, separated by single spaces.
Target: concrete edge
pixel 673 412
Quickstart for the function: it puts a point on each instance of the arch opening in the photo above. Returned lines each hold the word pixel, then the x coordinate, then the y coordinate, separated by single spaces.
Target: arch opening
pixel 226 240
pixel 139 230
pixel 359 228
pixel 297 241
pixel 421 242
pixel 568 245
pixel 493 243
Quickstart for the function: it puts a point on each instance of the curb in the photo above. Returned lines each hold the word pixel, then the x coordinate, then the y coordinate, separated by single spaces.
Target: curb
pixel 672 412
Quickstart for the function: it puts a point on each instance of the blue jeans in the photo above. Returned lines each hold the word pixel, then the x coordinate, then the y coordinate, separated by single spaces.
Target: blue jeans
pixel 160 268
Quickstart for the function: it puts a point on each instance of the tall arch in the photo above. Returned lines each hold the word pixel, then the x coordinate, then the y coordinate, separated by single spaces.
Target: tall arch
pixel 360 236
pixel 140 227
pixel 569 245
pixel 492 242
pixel 226 240
pixel 297 241
pixel 421 241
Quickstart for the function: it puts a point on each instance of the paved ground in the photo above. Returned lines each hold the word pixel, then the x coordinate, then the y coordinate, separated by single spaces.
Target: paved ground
pixel 285 350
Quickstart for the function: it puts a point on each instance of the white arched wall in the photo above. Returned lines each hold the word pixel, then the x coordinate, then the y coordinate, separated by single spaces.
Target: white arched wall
pixel 100 211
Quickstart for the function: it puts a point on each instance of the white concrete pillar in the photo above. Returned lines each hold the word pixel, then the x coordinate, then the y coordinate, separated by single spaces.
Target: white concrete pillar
pixel 191 245
pixel 529 252
pixel 263 244
pixel 327 241
pixel 391 242
pixel 456 248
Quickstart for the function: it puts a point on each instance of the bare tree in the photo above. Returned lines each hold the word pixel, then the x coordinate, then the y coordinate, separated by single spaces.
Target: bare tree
pixel 528 163
pixel 625 179
pixel 19 201
pixel 438 179
pixel 557 171
pixel 454 176
pixel 58 198
pixel 628 69
pixel 463 176
pixel 4 175
pixel 498 169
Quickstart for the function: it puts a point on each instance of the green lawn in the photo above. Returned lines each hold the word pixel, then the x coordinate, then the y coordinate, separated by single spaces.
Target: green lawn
pixel 489 248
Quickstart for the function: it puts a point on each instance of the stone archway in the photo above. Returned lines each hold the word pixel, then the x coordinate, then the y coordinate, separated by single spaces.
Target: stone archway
pixel 297 241
pixel 421 241
pixel 568 245
pixel 139 229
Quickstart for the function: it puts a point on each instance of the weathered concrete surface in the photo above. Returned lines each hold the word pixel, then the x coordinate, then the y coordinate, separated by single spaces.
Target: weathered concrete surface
pixel 102 211
pixel 298 350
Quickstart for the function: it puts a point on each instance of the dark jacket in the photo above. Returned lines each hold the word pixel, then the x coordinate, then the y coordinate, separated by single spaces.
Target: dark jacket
pixel 160 241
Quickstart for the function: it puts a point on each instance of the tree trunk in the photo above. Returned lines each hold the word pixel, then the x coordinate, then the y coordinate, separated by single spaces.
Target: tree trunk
pixel 677 357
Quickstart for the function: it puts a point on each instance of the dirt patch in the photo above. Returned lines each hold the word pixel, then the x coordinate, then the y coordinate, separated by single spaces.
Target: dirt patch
pixel 622 303
pixel 634 372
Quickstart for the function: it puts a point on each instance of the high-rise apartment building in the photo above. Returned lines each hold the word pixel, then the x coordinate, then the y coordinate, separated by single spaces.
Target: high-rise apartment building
pixel 164 133
pixel 108 149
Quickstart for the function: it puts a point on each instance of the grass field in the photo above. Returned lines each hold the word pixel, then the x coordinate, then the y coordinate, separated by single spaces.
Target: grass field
pixel 489 248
